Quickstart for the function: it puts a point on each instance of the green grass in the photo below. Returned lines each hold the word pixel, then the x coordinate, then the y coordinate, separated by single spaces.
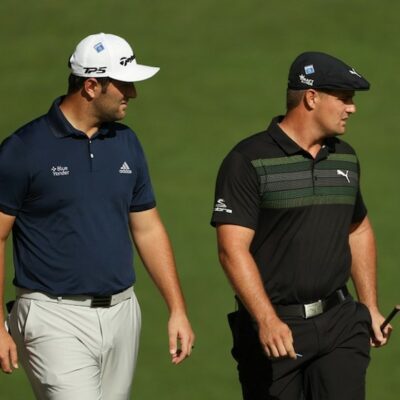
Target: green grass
pixel 223 74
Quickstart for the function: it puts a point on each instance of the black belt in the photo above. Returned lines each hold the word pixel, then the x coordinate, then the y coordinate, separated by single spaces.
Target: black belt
pixel 78 300
pixel 311 310
pixel 308 310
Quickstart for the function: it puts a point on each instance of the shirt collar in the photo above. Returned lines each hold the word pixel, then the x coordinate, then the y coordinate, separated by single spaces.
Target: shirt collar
pixel 61 127
pixel 288 145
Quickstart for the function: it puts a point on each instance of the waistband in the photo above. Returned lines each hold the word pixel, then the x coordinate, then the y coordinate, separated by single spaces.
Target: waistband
pixel 78 300
pixel 311 310
pixel 308 310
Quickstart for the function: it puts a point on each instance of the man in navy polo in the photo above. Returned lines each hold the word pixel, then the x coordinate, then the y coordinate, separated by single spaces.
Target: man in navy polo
pixel 74 185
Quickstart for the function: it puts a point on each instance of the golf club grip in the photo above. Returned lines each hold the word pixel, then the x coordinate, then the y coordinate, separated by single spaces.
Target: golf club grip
pixel 390 317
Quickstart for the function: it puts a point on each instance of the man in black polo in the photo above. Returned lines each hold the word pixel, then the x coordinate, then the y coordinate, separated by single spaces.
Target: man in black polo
pixel 292 228
pixel 73 185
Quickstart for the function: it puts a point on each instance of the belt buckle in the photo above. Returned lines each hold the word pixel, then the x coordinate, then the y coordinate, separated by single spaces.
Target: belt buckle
pixel 313 309
pixel 101 301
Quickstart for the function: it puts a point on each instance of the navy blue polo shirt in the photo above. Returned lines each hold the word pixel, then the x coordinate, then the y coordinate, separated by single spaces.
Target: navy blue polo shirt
pixel 72 196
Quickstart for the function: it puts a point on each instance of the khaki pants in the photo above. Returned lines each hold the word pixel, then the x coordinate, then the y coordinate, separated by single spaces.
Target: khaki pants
pixel 73 352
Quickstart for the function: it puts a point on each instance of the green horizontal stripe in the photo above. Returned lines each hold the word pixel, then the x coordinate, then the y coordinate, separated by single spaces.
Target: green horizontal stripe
pixel 344 165
pixel 336 190
pixel 308 201
pixel 277 169
pixel 288 194
pixel 343 157
pixel 266 162
pixel 320 191
pixel 346 162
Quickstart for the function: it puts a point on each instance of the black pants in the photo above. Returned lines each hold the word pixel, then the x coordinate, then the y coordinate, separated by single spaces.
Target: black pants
pixel 335 348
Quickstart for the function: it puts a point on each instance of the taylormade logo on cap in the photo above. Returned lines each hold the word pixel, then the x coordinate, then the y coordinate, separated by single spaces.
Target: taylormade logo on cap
pixel 107 55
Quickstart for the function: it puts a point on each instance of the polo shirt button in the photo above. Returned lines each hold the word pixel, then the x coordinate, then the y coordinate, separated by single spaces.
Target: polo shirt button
pixel 91 155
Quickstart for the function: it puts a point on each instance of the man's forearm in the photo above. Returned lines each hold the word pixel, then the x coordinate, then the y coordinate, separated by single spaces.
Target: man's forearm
pixel 242 271
pixel 155 250
pixel 6 224
pixel 243 274
pixel 2 279
pixel 239 265
pixel 363 270
pixel 156 253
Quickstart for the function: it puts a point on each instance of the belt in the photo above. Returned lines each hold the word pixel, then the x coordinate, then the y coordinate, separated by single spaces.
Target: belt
pixel 311 310
pixel 78 300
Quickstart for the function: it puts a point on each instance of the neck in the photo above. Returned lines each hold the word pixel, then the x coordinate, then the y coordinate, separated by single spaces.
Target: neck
pixel 303 131
pixel 78 113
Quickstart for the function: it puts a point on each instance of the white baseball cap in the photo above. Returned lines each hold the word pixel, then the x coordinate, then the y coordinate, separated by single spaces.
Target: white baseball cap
pixel 107 55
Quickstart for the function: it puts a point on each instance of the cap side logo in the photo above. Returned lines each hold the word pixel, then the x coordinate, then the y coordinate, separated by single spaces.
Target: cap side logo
pixel 99 47
pixel 305 80
pixel 126 60
pixel 309 69
pixel 354 72
pixel 92 70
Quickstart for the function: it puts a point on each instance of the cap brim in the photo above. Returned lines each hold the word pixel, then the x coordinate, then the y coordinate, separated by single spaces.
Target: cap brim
pixel 136 73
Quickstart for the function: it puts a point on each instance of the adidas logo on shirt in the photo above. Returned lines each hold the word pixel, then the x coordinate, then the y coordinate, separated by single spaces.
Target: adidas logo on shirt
pixel 125 169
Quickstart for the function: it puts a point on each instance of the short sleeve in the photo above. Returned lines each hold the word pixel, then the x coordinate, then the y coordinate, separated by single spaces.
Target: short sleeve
pixel 143 194
pixel 14 175
pixel 360 210
pixel 237 198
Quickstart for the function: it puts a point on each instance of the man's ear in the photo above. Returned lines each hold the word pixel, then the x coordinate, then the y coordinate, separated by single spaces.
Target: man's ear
pixel 91 87
pixel 311 98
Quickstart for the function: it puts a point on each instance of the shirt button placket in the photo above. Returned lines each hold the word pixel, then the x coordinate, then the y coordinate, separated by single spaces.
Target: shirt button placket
pixel 91 154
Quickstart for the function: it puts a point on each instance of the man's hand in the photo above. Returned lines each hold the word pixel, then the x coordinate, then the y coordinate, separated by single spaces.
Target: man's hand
pixel 8 352
pixel 276 339
pixel 379 338
pixel 181 337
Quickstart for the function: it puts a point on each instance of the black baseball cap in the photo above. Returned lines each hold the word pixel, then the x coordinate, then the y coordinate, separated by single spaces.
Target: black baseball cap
pixel 317 70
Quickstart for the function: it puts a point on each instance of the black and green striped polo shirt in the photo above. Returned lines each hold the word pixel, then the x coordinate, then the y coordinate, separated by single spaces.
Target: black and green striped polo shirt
pixel 300 208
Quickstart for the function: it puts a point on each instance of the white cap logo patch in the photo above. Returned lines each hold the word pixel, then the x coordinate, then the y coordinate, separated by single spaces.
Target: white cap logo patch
pixel 309 69
pixel 99 47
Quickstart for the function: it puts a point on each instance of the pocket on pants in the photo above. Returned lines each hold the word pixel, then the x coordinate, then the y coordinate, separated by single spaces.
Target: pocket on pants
pixel 364 312
pixel 7 320
pixel 136 311
pixel 245 336
pixel 23 312
pixel 232 317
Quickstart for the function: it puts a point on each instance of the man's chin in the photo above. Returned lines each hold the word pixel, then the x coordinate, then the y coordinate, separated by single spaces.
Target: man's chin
pixel 341 131
pixel 114 118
